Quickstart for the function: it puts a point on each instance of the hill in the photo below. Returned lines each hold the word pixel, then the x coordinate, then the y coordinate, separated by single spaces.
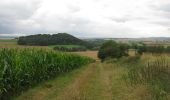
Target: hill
pixel 55 39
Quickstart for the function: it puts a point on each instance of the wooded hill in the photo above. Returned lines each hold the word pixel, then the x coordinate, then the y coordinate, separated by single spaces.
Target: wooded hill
pixel 55 39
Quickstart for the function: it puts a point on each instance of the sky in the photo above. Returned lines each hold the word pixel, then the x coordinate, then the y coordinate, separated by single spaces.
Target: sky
pixel 86 18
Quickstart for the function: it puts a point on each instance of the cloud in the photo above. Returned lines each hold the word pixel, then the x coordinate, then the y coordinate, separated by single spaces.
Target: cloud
pixel 86 18
pixel 12 12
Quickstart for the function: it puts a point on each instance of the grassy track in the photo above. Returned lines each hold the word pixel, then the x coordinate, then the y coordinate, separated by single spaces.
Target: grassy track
pixel 51 88
pixel 94 82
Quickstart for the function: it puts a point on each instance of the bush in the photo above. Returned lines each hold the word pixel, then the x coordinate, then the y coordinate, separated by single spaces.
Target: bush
pixel 70 48
pixel 111 49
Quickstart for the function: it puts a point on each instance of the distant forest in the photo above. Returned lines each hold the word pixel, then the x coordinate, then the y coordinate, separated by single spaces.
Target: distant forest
pixel 55 39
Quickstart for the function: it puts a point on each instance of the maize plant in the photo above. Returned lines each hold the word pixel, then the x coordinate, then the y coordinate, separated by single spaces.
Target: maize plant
pixel 23 68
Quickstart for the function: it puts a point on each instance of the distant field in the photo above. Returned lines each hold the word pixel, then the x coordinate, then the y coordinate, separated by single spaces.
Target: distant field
pixel 4 43
pixel 151 43
pixel 12 43
pixel 92 54
pixel 8 40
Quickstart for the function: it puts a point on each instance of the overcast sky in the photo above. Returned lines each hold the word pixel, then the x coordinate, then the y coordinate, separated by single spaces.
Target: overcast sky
pixel 86 18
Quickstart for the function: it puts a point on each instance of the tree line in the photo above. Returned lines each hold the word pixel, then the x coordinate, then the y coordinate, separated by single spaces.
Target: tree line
pixel 112 49
pixel 72 49
pixel 55 39
pixel 153 49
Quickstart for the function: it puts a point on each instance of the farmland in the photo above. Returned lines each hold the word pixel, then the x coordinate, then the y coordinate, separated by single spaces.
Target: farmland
pixel 85 50
pixel 107 81
pixel 40 73
pixel 23 68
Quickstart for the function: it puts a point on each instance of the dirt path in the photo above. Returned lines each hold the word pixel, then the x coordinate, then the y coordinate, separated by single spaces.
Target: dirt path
pixel 75 91
pixel 93 82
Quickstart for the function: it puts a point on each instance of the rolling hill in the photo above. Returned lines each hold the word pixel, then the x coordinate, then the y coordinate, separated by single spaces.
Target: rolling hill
pixel 55 39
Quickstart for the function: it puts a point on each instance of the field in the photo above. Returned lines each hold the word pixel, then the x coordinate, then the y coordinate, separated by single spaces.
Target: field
pixel 137 77
pixel 23 68
pixel 8 43
pixel 92 54
pixel 104 81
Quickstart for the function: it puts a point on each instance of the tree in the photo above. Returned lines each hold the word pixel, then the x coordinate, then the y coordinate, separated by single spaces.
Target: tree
pixel 167 49
pixel 141 49
pixel 111 49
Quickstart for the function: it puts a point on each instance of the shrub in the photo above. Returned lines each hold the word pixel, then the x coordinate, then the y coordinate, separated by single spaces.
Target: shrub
pixel 111 49
pixel 70 48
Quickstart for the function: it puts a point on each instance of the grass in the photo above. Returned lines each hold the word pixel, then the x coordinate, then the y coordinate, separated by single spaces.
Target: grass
pixel 8 40
pixel 92 54
pixel 97 81
pixel 57 85
pixel 11 43
pixel 153 72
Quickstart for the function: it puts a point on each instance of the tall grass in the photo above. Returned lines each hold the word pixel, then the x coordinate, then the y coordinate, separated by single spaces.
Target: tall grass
pixel 155 74
pixel 23 68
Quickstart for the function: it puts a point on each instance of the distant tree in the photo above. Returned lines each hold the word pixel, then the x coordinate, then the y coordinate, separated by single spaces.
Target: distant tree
pixel 141 49
pixel 134 46
pixel 111 49
pixel 167 49
pixel 160 49
pixel 124 49
pixel 151 49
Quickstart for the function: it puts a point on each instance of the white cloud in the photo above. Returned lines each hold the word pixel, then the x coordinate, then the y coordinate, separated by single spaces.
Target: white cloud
pixel 89 18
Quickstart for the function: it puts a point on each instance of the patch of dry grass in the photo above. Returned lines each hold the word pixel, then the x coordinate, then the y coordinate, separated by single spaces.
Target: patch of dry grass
pixel 75 91
pixel 92 54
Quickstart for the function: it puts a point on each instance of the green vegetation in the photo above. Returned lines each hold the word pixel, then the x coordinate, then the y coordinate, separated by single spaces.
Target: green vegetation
pixel 69 48
pixel 8 40
pixel 150 71
pixel 97 43
pixel 111 49
pixel 157 49
pixel 152 49
pixel 55 39
pixel 119 77
pixel 51 88
pixel 66 46
pixel 23 68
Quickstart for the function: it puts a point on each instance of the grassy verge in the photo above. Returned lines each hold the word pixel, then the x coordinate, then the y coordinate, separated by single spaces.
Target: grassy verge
pixel 152 72
pixel 52 88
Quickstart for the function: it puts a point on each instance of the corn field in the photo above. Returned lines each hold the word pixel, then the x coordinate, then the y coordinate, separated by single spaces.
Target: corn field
pixel 23 68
